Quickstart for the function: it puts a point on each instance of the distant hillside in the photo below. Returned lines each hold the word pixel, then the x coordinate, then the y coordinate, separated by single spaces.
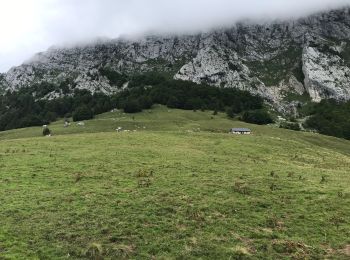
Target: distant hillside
pixel 288 63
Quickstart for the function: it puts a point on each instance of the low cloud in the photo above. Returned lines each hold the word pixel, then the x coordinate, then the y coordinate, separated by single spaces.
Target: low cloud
pixel 29 26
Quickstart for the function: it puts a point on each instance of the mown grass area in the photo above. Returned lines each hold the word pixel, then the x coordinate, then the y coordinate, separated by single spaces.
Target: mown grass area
pixel 172 191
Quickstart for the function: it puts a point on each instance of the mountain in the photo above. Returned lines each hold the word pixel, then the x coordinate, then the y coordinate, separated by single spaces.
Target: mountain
pixel 286 62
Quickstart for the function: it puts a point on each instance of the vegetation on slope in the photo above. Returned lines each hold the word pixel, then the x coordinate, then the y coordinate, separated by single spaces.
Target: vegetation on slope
pixel 260 117
pixel 173 194
pixel 115 78
pixel 275 70
pixel 188 95
pixel 331 118
pixel 23 109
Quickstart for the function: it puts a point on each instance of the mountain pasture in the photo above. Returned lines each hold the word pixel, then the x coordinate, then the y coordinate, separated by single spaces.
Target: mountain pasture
pixel 176 185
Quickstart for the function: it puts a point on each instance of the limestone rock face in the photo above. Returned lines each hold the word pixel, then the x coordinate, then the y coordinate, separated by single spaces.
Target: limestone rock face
pixel 222 68
pixel 218 67
pixel 286 62
pixel 326 75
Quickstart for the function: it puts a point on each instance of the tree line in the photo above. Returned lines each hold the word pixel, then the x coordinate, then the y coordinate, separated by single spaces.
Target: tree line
pixel 21 109
pixel 330 117
pixel 142 93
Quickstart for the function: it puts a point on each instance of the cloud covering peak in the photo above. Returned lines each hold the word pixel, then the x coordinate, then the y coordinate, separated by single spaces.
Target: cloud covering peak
pixel 29 26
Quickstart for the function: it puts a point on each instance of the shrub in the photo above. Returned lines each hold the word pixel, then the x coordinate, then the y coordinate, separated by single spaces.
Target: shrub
pixel 145 102
pixel 132 106
pixel 50 116
pixel 67 115
pixel 114 77
pixel 173 102
pixel 230 112
pixel 241 187
pixel 147 79
pixel 259 117
pixel 290 126
pixel 95 251
pixel 82 113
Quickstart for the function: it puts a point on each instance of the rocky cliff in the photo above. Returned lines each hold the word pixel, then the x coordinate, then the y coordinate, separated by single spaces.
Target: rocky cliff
pixel 285 62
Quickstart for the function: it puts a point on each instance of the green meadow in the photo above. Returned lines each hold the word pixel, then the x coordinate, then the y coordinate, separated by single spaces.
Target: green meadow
pixel 175 186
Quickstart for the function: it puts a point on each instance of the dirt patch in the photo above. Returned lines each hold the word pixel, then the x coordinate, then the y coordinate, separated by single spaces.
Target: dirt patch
pixel 346 250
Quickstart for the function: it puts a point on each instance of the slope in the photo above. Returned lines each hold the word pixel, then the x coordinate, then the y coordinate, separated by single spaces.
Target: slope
pixel 172 191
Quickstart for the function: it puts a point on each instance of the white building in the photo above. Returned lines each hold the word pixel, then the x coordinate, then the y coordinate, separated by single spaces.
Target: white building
pixel 241 131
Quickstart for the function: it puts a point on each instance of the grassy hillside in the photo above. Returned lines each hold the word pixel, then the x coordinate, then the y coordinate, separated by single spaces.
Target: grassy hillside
pixel 170 190
pixel 160 118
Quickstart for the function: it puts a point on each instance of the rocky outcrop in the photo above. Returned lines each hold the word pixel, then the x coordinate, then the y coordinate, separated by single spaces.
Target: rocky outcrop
pixel 81 65
pixel 326 75
pixel 281 61
pixel 3 83
pixel 219 67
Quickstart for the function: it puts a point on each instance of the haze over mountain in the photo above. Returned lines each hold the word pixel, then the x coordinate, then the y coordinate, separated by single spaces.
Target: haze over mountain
pixel 31 26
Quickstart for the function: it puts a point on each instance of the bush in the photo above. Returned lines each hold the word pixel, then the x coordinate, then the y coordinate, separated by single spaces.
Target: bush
pixel 147 79
pixel 290 126
pixel 50 116
pixel 259 117
pixel 145 102
pixel 173 102
pixel 132 106
pixel 68 115
pixel 114 77
pixel 230 112
pixel 82 113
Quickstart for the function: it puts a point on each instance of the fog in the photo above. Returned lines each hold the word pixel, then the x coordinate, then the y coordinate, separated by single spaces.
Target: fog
pixel 29 26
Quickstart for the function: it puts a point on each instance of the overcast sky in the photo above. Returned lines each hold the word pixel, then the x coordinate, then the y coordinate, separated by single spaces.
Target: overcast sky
pixel 29 26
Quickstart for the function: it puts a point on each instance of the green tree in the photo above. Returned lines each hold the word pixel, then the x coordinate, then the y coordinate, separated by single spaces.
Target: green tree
pixel 230 112
pixel 82 113
pixel 259 117
pixel 132 106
